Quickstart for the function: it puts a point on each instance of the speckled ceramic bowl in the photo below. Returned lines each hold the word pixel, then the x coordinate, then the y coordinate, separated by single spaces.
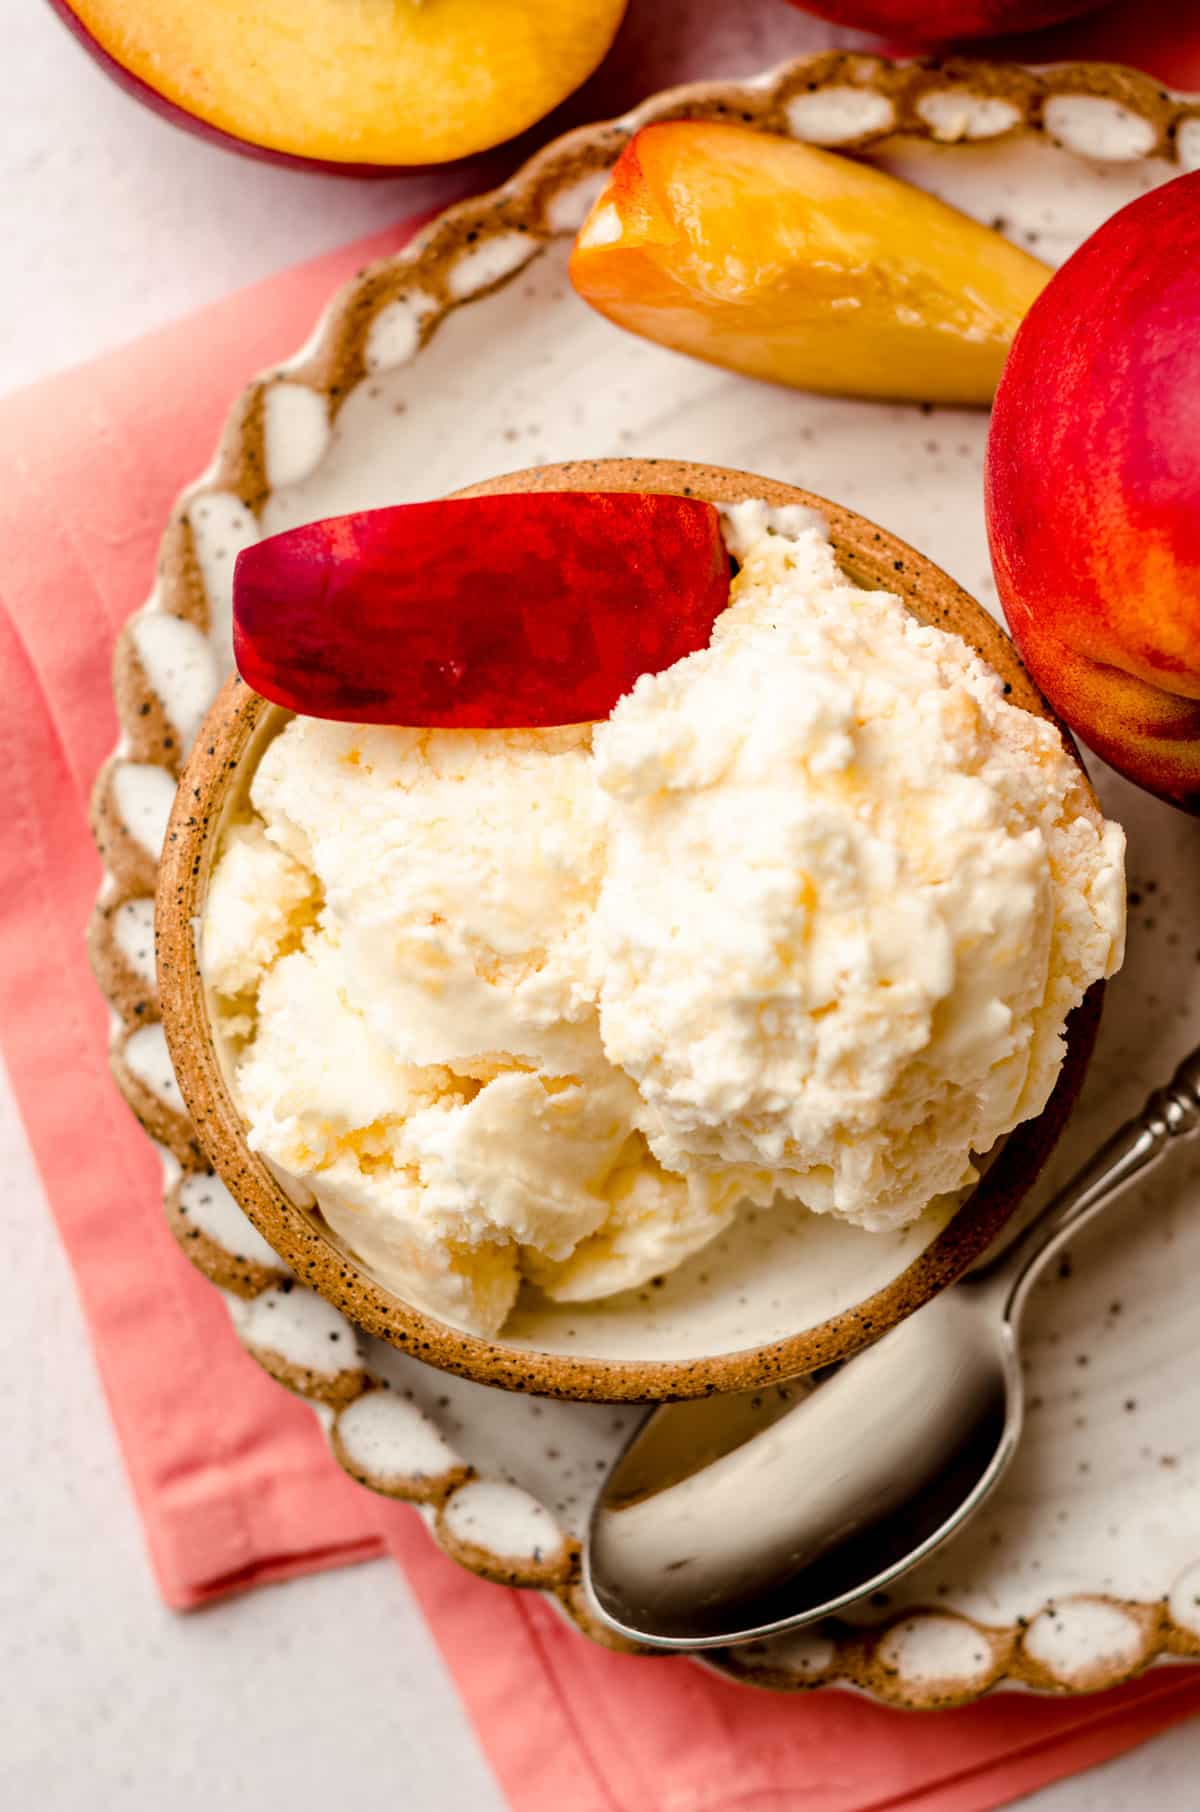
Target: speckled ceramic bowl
pixel 779 1293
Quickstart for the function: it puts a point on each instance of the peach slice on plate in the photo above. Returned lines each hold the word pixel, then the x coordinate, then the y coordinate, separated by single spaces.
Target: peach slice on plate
pixel 789 263
pixel 482 612
pixel 347 84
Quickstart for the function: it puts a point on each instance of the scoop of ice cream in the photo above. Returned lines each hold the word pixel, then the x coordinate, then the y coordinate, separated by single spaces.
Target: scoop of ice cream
pixel 426 1062
pixel 259 902
pixel 850 895
pixel 653 1221
pixel 807 914
pixel 459 868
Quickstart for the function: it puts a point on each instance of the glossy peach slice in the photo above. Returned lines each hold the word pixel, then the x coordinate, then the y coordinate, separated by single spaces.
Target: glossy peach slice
pixel 359 84
pixel 479 612
pixel 797 265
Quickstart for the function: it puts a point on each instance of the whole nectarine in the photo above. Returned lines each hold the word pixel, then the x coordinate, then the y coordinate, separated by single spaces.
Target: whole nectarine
pixel 938 21
pixel 1093 491
pixel 361 88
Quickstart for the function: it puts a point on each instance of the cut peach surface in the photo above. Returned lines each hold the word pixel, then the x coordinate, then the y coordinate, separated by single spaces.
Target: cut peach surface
pixel 358 82
pixel 797 265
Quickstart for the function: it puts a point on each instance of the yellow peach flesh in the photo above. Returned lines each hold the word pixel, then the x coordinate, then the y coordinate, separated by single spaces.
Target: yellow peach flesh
pixel 390 82
pixel 801 266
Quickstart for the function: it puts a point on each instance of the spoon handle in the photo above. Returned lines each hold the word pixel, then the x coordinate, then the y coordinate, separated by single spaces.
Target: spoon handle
pixel 1170 1113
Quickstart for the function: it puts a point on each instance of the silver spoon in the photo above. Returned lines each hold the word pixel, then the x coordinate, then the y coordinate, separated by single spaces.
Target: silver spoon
pixel 738 1517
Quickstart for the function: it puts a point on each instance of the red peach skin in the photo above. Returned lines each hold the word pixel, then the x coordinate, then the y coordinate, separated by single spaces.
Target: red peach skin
pixel 939 21
pixel 480 612
pixel 1093 491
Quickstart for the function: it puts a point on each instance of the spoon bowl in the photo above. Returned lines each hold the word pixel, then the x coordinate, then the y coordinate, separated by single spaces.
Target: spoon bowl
pixel 731 1522
pixel 852 1477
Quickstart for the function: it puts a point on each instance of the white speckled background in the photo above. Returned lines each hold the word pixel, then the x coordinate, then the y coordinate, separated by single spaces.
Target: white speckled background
pixel 110 1700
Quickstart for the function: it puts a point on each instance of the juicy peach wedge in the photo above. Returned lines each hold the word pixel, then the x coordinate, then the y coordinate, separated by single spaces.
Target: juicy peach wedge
pixel 797 265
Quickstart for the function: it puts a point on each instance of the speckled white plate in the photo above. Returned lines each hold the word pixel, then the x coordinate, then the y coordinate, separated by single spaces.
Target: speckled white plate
pixel 468 355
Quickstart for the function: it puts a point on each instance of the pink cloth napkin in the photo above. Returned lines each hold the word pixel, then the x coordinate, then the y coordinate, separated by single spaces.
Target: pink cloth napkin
pixel 233 1479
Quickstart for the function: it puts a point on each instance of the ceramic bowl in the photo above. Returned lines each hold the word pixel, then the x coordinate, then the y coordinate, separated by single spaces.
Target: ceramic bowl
pixel 779 1293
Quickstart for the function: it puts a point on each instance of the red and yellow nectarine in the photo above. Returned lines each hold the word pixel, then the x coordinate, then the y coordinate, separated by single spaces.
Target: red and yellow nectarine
pixel 785 262
pixel 1093 491
pixel 358 85
pixel 939 21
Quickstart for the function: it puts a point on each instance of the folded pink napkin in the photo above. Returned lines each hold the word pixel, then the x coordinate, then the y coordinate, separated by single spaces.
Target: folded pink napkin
pixel 233 1478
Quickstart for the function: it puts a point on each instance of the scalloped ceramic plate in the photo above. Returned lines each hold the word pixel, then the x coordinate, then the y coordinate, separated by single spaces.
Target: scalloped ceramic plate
pixel 469 355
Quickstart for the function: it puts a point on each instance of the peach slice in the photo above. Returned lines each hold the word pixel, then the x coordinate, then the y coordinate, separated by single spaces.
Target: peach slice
pixel 479 612
pixel 798 265
pixel 358 84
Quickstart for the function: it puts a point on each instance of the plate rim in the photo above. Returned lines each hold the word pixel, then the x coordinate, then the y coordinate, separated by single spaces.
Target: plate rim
pixel 331 362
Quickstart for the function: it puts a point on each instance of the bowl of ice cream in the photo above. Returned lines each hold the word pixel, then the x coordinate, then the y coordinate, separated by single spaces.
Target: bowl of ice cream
pixel 666 1055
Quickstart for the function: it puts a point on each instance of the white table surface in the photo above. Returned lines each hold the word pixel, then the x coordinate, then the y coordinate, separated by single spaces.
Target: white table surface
pixel 113 222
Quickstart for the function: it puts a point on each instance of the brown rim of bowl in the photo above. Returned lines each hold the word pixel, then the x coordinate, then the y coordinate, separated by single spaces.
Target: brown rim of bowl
pixel 872 558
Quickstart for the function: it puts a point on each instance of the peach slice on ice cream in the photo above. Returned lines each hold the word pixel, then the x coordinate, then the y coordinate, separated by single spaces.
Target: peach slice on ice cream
pixel 479 612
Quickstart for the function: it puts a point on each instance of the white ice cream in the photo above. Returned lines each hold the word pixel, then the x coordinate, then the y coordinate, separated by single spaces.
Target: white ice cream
pixel 807 914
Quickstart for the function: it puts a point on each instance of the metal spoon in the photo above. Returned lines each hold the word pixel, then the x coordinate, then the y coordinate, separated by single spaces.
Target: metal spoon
pixel 738 1517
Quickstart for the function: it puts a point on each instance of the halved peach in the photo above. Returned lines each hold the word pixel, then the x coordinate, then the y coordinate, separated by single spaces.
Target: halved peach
pixel 357 84
pixel 490 612
pixel 785 262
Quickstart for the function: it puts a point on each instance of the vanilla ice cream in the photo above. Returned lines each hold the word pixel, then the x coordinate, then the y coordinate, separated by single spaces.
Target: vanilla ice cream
pixel 804 917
